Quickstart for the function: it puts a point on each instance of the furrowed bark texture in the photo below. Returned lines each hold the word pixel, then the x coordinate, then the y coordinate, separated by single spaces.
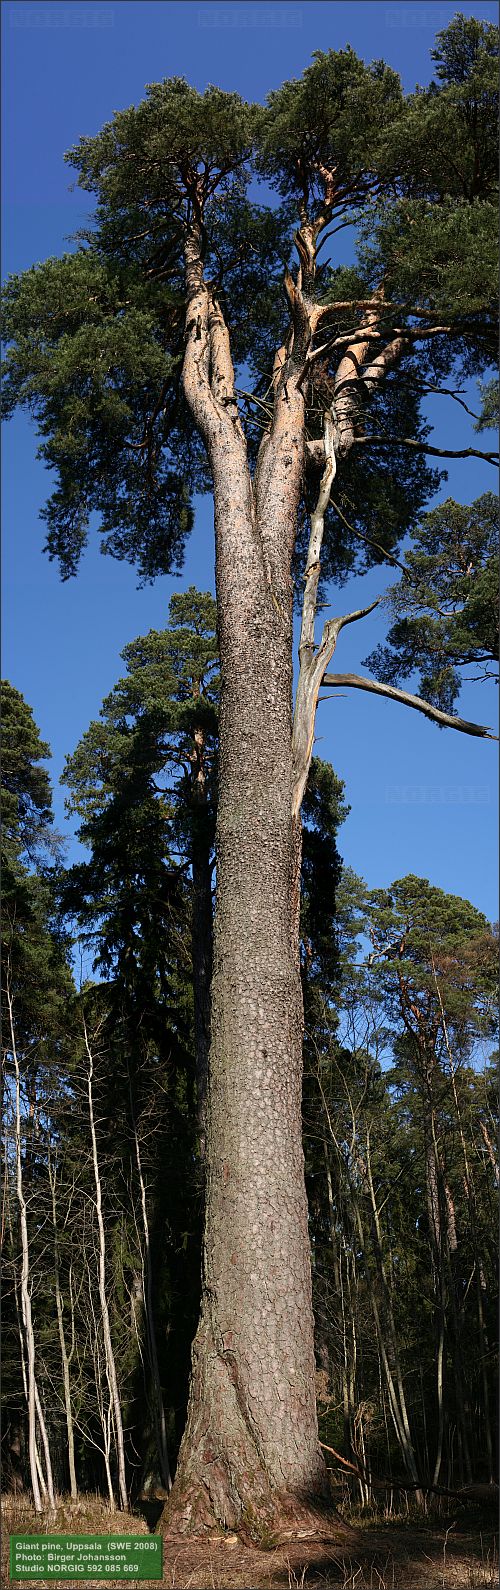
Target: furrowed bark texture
pixel 250 1455
pixel 201 931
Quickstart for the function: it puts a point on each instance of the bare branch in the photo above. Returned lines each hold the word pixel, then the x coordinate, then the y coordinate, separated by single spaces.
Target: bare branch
pixel 312 669
pixel 442 391
pixel 312 569
pixel 340 305
pixel 446 719
pixel 308 681
pixel 410 334
pixel 351 618
pixel 424 447
pixel 377 546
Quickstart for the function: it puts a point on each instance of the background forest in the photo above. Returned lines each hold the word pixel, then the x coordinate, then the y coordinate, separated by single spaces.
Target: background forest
pixel 103 1159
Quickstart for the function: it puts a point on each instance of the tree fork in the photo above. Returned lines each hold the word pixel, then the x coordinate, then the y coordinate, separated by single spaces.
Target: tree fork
pixel 250 1455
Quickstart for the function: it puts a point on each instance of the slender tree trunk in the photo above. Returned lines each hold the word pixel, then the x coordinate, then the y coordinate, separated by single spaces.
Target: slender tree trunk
pixel 483 1354
pixel 386 1336
pixel 33 1453
pixel 33 1400
pixel 491 1152
pixel 108 1345
pixel 445 1280
pixel 440 1399
pixel 434 1212
pixel 470 1194
pixel 147 1292
pixel 387 1296
pixel 347 1369
pixel 65 1356
pixel 46 1448
pixel 101 1378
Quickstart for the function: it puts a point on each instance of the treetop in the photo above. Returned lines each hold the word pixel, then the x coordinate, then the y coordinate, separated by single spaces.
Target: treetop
pixel 96 339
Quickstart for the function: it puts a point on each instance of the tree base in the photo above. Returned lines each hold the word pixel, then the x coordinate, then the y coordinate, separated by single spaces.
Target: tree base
pixel 266 1519
pixel 230 1475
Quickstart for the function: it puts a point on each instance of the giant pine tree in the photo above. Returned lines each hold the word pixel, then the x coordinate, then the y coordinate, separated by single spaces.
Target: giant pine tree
pixel 125 352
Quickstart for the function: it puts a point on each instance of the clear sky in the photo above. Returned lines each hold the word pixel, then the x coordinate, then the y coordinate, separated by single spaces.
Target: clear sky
pixel 422 800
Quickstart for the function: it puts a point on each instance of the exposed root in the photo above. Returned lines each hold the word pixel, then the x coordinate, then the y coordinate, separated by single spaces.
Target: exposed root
pixel 269 1520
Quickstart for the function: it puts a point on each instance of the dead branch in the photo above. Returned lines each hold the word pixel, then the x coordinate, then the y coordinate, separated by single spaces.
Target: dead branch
pixel 447 720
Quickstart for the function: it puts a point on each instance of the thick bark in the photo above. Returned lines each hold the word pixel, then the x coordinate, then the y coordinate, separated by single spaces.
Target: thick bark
pixel 252 1431
pixel 201 931
pixel 250 1455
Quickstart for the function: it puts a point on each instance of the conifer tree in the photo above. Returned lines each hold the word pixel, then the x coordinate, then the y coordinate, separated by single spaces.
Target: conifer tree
pixel 446 605
pixel 142 781
pixel 126 354
pixel 36 989
pixel 435 959
pixel 402 1188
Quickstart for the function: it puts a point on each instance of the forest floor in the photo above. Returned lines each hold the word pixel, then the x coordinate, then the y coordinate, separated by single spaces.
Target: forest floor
pixel 458 1552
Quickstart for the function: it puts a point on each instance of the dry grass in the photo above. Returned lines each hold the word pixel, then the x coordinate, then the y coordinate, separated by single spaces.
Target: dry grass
pixel 484 1575
pixel 429 1555
pixel 90 1515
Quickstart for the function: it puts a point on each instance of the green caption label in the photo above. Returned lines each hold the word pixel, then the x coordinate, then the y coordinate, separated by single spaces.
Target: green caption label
pixel 86 1557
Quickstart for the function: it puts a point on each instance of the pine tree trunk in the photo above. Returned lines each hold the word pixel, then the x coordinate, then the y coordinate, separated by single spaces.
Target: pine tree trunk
pixel 250 1454
pixel 252 1419
pixel 202 930
pixel 252 1429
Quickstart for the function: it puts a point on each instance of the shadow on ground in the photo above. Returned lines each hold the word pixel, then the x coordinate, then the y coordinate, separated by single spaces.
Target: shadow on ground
pixel 151 1511
pixel 428 1559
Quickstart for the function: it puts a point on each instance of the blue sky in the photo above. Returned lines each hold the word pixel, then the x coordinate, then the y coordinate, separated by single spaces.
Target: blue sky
pixel 422 800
